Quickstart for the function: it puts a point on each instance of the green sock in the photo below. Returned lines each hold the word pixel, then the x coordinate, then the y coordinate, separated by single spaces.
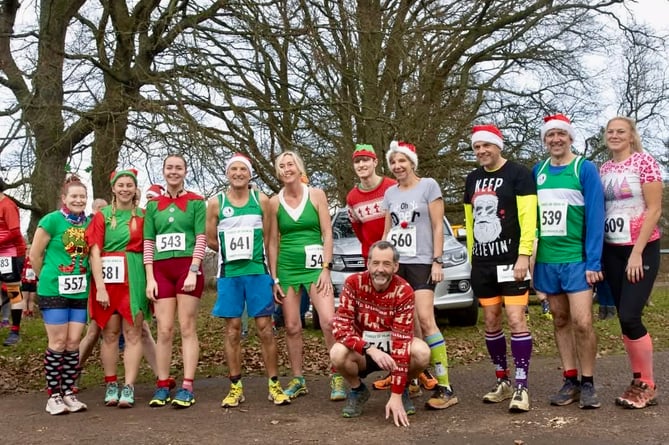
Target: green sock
pixel 438 357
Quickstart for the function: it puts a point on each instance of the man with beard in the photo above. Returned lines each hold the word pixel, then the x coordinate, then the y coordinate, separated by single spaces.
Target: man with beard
pixel 500 216
pixel 373 328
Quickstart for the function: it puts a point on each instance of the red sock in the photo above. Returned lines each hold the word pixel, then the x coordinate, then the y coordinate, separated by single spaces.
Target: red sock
pixel 187 384
pixel 110 379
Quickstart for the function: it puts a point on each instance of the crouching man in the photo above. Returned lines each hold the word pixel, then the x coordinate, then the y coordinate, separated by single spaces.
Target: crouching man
pixel 373 328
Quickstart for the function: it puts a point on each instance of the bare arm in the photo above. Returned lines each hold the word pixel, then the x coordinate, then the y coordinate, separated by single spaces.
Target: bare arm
pixel 37 249
pixel 652 196
pixel 211 229
pixel 436 209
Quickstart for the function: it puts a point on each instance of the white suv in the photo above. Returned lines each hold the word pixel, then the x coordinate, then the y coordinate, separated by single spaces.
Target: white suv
pixel 453 297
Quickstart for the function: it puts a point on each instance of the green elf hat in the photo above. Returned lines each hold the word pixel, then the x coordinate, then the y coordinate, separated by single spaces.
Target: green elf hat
pixel 126 172
pixel 364 150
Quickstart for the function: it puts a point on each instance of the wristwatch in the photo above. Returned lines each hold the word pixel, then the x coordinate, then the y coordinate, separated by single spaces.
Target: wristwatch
pixel 195 269
pixel 327 265
pixel 438 260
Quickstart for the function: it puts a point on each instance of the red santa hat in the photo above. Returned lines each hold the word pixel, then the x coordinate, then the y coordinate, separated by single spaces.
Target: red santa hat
pixel 407 149
pixel 238 157
pixel 557 121
pixel 154 191
pixel 487 133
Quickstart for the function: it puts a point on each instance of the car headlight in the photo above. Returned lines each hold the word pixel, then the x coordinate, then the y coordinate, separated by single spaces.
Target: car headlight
pixel 454 257
pixel 338 263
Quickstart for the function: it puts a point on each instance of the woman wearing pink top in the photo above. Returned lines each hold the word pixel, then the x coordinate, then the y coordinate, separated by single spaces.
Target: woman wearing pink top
pixel 633 191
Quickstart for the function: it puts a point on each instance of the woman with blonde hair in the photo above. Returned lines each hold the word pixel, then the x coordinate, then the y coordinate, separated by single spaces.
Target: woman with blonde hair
pixel 300 255
pixel 633 194
pixel 118 303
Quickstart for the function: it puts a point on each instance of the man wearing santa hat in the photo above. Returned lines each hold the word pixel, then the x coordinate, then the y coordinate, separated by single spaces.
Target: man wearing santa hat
pixel 568 263
pixel 236 223
pixel 500 217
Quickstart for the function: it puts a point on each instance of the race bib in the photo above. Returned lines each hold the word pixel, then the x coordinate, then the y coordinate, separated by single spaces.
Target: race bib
pixel 505 273
pixel 171 242
pixel 313 256
pixel 553 218
pixel 71 284
pixel 404 240
pixel 5 265
pixel 30 274
pixel 113 269
pixel 617 229
pixel 238 244
pixel 380 340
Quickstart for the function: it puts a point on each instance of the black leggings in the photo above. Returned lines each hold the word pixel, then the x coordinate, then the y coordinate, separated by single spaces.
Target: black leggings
pixel 630 298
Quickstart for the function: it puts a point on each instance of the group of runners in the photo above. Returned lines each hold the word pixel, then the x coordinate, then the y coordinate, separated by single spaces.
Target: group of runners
pixel 124 259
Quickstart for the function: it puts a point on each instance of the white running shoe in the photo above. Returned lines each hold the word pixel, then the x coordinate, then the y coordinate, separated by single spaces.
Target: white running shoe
pixel 73 404
pixel 55 405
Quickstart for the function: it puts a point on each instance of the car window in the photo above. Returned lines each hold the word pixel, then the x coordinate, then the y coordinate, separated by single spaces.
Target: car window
pixel 341 226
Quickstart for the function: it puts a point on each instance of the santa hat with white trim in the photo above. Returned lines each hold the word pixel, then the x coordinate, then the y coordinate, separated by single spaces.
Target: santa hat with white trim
pixel 154 190
pixel 238 157
pixel 489 134
pixel 557 121
pixel 407 149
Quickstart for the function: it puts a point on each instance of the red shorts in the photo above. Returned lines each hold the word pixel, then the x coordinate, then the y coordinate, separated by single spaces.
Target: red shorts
pixel 170 275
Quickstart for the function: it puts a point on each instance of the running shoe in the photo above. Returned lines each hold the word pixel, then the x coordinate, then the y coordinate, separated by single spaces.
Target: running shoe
pixel 296 387
pixel 355 400
pixel 569 393
pixel 12 339
pixel 5 324
pixel 111 394
pixel 407 403
pixel 427 380
pixel 73 404
pixel 441 398
pixel 383 383
pixel 183 399
pixel 276 394
pixel 337 388
pixel 414 389
pixel 161 397
pixel 520 402
pixel 55 405
pixel 638 396
pixel 235 396
pixel 127 399
pixel 502 391
pixel 588 398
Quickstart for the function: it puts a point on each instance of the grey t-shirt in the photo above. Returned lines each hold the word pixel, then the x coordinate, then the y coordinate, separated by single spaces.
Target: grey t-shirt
pixel 411 228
